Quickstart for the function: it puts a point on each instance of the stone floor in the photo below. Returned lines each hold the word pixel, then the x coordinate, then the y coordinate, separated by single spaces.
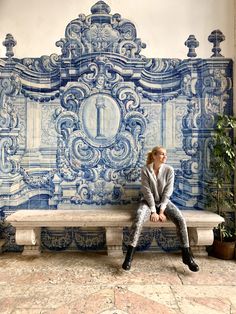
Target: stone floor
pixel 92 283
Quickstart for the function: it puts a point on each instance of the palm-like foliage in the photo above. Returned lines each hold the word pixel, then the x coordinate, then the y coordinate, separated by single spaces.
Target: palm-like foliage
pixel 222 166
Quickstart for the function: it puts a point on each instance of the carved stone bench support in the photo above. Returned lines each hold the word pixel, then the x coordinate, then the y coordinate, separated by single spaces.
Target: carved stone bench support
pixel 31 239
pixel 2 242
pixel 114 240
pixel 199 238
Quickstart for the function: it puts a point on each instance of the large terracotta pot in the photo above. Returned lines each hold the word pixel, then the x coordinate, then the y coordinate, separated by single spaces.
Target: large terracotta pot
pixel 224 250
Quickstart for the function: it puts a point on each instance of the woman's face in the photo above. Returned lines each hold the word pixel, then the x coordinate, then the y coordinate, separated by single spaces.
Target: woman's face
pixel 160 156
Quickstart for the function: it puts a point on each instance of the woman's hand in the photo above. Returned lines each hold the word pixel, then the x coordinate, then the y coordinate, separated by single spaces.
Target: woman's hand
pixel 154 217
pixel 162 217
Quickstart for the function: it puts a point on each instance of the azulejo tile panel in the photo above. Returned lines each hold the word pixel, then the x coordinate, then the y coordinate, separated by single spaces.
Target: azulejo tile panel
pixel 75 127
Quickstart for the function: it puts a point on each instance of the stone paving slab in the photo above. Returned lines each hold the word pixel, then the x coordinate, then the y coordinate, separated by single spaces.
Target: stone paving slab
pixel 93 283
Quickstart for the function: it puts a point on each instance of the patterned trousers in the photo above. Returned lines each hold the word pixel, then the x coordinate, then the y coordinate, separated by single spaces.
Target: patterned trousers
pixel 171 212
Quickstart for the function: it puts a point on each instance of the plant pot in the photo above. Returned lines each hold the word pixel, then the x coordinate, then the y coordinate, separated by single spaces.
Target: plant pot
pixel 224 250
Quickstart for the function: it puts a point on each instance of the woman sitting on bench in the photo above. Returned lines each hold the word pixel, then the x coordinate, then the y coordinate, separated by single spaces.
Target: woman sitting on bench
pixel 157 187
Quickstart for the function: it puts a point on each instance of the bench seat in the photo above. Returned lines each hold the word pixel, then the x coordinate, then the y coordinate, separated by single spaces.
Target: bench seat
pixel 28 224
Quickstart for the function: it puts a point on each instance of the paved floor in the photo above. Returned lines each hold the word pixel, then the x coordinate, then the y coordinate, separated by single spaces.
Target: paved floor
pixel 92 283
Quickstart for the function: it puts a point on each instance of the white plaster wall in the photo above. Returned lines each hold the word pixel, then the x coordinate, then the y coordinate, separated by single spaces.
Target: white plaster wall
pixel 163 25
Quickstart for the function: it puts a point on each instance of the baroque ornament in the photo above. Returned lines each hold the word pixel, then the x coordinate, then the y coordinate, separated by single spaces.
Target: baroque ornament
pixel 9 131
pixel 100 32
pixel 101 134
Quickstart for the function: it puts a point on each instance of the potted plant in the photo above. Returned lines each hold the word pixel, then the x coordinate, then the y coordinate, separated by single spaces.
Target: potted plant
pixel 220 186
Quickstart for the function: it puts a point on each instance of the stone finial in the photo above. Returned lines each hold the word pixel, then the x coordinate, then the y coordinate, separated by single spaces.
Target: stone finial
pixel 100 7
pixel 216 37
pixel 9 43
pixel 191 43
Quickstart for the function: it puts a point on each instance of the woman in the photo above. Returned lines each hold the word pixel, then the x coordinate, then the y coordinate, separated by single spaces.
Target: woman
pixel 157 186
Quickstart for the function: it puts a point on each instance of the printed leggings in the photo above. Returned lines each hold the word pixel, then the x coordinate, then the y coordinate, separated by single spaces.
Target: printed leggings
pixel 171 212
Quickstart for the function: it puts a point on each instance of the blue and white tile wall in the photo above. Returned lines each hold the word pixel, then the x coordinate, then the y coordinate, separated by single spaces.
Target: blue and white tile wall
pixel 75 127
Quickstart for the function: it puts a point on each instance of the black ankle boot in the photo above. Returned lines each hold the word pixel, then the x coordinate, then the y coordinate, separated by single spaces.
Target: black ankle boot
pixel 188 259
pixel 128 259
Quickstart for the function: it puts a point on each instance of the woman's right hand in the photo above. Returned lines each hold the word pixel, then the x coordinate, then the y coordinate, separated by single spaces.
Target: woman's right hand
pixel 154 217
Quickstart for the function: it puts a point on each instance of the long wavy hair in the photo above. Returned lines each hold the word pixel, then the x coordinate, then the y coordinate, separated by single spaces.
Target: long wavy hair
pixel 150 154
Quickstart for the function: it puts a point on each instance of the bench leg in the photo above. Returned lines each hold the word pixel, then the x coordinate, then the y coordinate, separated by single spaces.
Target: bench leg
pixel 199 250
pixel 199 238
pixel 31 239
pixel 114 240
pixel 2 242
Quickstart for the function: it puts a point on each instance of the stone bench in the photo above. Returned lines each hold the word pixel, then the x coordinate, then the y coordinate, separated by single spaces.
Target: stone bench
pixel 2 242
pixel 28 224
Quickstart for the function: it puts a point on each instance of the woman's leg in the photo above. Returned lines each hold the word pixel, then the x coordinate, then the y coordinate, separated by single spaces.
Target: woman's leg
pixel 175 215
pixel 142 215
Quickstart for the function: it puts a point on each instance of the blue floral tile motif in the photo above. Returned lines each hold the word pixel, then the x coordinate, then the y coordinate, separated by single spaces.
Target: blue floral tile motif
pixel 56 240
pixel 145 239
pixel 89 240
pixel 167 239
pixel 75 127
pixel 10 244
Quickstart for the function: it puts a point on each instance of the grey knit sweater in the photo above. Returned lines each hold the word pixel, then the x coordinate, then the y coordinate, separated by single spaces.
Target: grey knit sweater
pixel 157 190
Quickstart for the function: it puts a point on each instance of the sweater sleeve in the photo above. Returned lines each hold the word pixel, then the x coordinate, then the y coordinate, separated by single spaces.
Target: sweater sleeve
pixel 147 193
pixel 168 189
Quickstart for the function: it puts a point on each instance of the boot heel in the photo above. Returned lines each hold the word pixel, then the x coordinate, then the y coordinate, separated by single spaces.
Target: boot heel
pixel 187 259
pixel 129 257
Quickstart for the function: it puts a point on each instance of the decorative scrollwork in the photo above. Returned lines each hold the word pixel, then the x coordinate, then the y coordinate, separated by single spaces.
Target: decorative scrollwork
pixel 80 150
pixel 189 168
pixel 189 85
pixel 99 193
pixel 136 124
pixel 66 122
pixel 8 147
pixel 127 95
pixel 44 64
pixel 63 164
pixel 10 86
pixel 192 118
pixel 89 240
pixel 215 93
pixel 8 117
pixel 102 75
pixel 38 181
pixel 159 65
pixel 73 95
pixel 122 153
pixel 56 240
pixel 100 137
pixel 100 32
pixel 191 145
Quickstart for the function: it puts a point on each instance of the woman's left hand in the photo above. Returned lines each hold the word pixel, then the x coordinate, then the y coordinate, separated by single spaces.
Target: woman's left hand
pixel 162 217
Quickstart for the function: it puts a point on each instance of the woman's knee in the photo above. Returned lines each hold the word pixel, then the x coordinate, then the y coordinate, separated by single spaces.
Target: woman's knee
pixel 143 209
pixel 143 213
pixel 176 216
